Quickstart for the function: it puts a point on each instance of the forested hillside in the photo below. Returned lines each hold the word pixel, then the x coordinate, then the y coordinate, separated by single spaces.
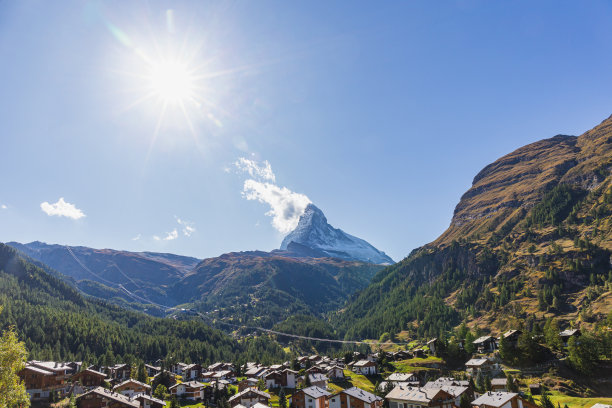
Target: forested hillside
pixel 530 240
pixel 57 322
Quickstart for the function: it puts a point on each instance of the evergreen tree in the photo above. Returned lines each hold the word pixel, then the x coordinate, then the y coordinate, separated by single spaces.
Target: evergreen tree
pixel 174 402
pixel 480 381
pixel 465 402
pixel 582 354
pixel 545 401
pixel 510 383
pixel 160 392
pixel 142 373
pixel 506 351
pixel 282 400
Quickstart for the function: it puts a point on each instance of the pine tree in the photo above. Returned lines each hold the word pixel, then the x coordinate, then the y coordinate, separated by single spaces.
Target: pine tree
pixel 545 401
pixel 282 400
pixel 142 373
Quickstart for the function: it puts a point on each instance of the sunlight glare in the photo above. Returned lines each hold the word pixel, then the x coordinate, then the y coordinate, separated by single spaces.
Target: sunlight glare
pixel 172 82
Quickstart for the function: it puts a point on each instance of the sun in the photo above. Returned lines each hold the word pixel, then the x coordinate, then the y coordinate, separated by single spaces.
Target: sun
pixel 172 82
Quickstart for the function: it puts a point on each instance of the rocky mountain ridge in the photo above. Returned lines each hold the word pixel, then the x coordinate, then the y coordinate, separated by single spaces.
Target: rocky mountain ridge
pixel 314 232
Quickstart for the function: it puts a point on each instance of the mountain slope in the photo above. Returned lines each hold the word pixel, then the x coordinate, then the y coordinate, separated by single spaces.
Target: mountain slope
pixel 314 232
pixel 98 272
pixel 56 322
pixel 530 239
pixel 265 288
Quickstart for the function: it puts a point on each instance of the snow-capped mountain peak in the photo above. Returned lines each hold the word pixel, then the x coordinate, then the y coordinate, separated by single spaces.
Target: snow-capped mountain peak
pixel 314 231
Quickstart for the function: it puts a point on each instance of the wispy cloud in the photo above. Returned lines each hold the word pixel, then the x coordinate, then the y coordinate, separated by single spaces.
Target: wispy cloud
pixel 286 206
pixel 256 170
pixel 187 227
pixel 3 206
pixel 172 235
pixel 62 209
pixel 137 237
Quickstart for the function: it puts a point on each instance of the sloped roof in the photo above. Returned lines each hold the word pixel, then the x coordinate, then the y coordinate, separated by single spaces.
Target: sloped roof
pixel 249 390
pixel 361 394
pixel 402 377
pixel 132 381
pixel 316 377
pixel 476 362
pixel 414 393
pixel 113 396
pixel 494 399
pixel 316 392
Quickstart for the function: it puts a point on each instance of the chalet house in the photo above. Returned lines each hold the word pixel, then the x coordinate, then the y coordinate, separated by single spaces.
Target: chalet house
pixel 256 372
pixel 512 337
pixel 152 370
pixel 456 391
pixel 132 387
pixel 43 378
pixel 400 355
pixel 418 353
pixel 406 397
pixel 335 372
pixel 311 397
pixel 192 372
pixel 281 378
pixel 484 365
pixel 568 334
pixel 89 378
pixel 249 398
pixel 247 383
pixel 171 376
pixel 433 345
pixel 223 375
pixel 397 378
pixel 365 367
pixel 177 368
pixel 318 380
pixel 355 398
pixel 191 390
pixel 485 344
pixel 501 400
pixel 314 369
pixel 75 367
pixel 501 384
pixel 120 372
pixel 147 401
pixel 101 398
pixel 442 381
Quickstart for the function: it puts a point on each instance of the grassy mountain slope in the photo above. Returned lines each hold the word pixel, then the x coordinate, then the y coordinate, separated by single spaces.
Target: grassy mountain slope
pixel 530 239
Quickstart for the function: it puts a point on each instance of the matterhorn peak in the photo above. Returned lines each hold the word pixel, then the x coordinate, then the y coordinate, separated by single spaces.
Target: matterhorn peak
pixel 313 231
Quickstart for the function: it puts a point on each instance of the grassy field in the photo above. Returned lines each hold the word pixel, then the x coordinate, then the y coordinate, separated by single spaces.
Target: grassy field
pixel 358 380
pixel 573 402
pixel 416 364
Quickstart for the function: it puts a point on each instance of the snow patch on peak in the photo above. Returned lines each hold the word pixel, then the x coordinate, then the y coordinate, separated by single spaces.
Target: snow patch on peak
pixel 313 231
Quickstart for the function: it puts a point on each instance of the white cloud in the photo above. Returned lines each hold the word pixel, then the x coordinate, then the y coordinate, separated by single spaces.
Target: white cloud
pixel 171 235
pixel 137 237
pixel 62 209
pixel 3 206
pixel 259 171
pixel 286 206
pixel 157 238
pixel 188 227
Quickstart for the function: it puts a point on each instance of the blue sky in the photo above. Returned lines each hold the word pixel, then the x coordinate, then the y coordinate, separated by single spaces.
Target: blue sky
pixel 380 113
